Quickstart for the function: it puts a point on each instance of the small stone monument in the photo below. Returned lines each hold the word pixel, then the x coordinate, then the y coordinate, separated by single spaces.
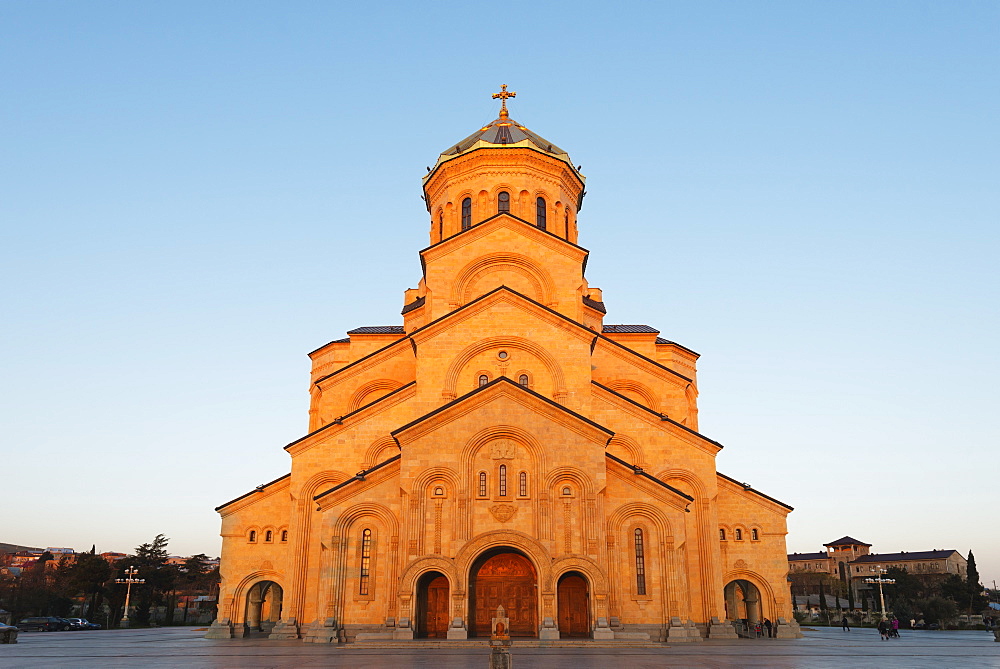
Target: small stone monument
pixel 500 641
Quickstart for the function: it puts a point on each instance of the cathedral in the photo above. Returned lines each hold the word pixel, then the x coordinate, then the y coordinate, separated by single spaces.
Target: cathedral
pixel 503 446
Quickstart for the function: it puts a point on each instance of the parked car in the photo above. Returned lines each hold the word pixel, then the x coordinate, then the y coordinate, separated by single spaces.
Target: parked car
pixel 82 624
pixel 43 624
pixel 8 633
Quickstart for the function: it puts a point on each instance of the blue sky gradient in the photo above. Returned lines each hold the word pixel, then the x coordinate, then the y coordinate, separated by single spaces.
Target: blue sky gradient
pixel 194 195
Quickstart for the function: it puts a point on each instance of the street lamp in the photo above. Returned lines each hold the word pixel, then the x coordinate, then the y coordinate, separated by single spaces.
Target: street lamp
pixel 878 579
pixel 130 578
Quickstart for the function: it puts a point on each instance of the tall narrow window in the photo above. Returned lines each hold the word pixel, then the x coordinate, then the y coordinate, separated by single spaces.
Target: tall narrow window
pixel 522 484
pixel 440 225
pixel 540 212
pixel 722 533
pixel 503 480
pixel 269 536
pixel 483 379
pixel 253 536
pixel 284 535
pixel 640 564
pixel 467 213
pixel 366 561
pixel 567 224
pixel 523 380
pixel 754 536
pixel 503 202
pixel 739 534
pixel 482 484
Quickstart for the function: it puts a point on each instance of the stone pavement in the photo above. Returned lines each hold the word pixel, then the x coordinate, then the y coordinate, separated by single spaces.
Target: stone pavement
pixel 821 648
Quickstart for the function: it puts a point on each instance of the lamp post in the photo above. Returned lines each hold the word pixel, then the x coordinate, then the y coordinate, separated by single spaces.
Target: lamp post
pixel 880 580
pixel 130 578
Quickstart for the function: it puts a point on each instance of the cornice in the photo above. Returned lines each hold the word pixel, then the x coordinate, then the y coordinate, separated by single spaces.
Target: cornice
pixel 663 372
pixel 678 500
pixel 258 494
pixel 366 480
pixel 748 492
pixel 508 221
pixel 361 364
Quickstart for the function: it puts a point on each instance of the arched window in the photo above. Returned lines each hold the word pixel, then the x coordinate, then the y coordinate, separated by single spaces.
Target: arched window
pixel 503 202
pixel 540 212
pixel 467 213
pixel 269 536
pixel 483 379
pixel 440 225
pixel 522 483
pixel 722 533
pixel 640 563
pixel 523 380
pixel 754 536
pixel 366 561
pixel 567 224
pixel 739 534
pixel 482 484
pixel 503 480
pixel 284 535
pixel 253 536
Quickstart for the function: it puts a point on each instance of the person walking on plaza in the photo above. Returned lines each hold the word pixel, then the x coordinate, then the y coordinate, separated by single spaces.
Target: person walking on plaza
pixel 895 627
pixel 769 626
pixel 844 624
pixel 883 630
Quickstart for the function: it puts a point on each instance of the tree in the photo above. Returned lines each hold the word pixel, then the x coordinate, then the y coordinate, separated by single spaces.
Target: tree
pixel 151 561
pixel 937 610
pixel 977 602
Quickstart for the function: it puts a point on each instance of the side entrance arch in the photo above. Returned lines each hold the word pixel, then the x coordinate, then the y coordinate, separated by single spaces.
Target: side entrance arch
pixel 503 577
pixel 432 606
pixel 573 596
pixel 743 601
pixel 263 609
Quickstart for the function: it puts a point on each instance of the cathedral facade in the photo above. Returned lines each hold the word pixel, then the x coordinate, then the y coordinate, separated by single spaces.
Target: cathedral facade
pixel 503 446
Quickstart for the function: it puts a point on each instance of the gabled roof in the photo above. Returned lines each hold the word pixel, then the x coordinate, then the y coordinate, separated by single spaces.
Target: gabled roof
pixel 256 490
pixel 847 541
pixel 748 488
pixel 490 385
pixel 802 557
pixel 639 471
pixel 905 556
pixel 360 476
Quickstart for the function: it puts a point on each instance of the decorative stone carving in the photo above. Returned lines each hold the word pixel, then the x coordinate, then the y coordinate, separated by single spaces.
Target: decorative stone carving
pixel 503 450
pixel 503 512
pixel 740 564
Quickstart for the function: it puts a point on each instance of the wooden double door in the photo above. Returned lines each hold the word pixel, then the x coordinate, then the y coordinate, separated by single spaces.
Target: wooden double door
pixel 574 606
pixel 508 580
pixel 432 615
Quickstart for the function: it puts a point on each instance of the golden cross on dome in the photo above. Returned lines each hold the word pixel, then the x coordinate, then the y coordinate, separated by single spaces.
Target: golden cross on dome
pixel 503 95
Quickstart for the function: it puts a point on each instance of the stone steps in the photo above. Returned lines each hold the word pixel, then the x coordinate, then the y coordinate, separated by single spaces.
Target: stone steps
pixel 518 643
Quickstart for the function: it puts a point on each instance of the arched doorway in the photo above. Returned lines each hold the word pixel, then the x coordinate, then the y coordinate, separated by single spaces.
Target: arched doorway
pixel 503 578
pixel 743 601
pixel 573 596
pixel 432 606
pixel 263 608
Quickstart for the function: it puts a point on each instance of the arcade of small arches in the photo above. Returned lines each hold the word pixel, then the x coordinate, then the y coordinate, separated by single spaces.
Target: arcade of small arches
pixel 267 535
pixel 738 533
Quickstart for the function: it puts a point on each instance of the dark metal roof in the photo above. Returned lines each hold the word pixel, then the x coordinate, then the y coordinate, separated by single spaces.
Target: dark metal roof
pixel 360 476
pixel 795 557
pixel 595 304
pixel 339 420
pixel 661 340
pixel 847 541
pixel 501 132
pixel 638 471
pixel 378 329
pixel 630 329
pixel 415 304
pixel 900 557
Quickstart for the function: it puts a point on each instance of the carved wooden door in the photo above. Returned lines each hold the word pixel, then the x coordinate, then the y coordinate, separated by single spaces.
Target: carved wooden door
pixel 574 613
pixel 506 580
pixel 435 623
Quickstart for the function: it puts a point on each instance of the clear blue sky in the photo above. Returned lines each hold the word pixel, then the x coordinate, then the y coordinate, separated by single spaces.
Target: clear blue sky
pixel 194 195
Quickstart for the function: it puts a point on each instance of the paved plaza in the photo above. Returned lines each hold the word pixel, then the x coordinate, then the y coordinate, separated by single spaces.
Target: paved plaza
pixel 185 647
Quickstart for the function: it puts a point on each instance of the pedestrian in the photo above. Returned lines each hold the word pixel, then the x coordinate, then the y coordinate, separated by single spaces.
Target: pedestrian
pixel 895 627
pixel 844 624
pixel 883 630
pixel 769 626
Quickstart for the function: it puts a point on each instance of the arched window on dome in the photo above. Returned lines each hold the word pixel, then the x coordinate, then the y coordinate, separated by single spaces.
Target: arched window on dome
pixel 483 380
pixel 540 212
pixel 640 563
pixel 440 225
pixel 503 202
pixel 467 213
pixel 567 224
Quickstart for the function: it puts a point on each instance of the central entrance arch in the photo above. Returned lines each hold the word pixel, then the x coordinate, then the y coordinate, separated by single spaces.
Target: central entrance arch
pixel 432 606
pixel 573 596
pixel 504 577
pixel 263 608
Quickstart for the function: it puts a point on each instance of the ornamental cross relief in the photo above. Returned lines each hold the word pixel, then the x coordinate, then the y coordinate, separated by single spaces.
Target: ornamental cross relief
pixel 503 450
